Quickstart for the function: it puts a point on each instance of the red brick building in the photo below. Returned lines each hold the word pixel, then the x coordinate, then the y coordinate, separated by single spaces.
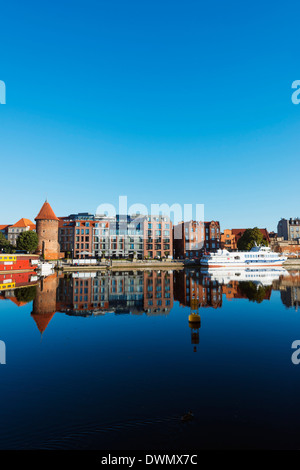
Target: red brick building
pixel 192 238
pixel 212 235
pixel 76 237
pixel 188 239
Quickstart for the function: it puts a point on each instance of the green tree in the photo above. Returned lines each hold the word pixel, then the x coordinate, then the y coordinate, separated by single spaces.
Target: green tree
pixel 5 246
pixel 27 241
pixel 249 238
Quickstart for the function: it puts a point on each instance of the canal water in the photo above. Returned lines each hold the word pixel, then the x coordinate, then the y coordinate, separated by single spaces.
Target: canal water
pixel 111 361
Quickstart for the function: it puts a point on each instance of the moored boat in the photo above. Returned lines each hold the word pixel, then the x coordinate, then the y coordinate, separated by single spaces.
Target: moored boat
pixel 18 262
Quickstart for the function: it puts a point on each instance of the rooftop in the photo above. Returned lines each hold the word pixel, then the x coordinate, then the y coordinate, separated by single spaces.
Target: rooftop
pixel 46 213
pixel 23 223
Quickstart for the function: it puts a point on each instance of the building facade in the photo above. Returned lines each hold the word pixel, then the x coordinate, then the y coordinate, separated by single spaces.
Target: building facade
pixel 13 231
pixel 212 235
pixel 188 239
pixel 123 236
pixel 158 237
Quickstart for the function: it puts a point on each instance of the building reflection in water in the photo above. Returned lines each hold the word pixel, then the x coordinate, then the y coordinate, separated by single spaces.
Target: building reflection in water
pixel 145 292
pixel 135 293
pixel 44 304
pixel 289 287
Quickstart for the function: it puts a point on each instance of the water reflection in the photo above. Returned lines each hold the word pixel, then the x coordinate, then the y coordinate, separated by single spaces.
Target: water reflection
pixel 137 332
pixel 145 292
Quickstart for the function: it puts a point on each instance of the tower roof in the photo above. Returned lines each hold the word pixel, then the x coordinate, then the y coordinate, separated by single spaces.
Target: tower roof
pixel 46 213
pixel 42 320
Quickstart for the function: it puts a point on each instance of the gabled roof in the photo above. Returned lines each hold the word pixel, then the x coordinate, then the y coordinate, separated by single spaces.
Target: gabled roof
pixel 46 213
pixel 23 223
pixel 3 227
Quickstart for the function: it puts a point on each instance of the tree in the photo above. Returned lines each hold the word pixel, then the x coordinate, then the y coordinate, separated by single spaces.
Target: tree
pixel 25 294
pixel 5 246
pixel 27 241
pixel 249 238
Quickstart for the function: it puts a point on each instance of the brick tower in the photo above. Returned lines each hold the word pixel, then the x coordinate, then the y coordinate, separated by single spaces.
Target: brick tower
pixel 47 232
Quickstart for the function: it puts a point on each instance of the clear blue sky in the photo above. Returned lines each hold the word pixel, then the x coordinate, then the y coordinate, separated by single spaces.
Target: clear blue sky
pixel 162 101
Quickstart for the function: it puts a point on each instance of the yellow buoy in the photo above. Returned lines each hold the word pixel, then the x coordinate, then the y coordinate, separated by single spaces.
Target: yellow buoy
pixel 194 318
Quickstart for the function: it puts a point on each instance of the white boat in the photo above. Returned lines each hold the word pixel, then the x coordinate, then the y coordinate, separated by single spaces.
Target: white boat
pixel 258 256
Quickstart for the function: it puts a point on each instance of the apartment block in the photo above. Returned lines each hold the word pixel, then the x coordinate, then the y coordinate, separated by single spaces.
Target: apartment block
pixel 289 229
pixel 126 236
pixel 158 239
pixel 84 235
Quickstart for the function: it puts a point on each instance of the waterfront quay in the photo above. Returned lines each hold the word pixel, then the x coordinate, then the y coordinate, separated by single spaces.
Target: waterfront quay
pixel 120 265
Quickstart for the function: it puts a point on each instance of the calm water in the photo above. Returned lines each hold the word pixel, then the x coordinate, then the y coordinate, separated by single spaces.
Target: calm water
pixel 110 361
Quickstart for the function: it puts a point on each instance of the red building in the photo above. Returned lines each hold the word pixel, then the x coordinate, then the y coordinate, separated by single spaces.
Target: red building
pixel 188 239
pixel 14 280
pixel 78 237
pixel 17 262
pixel 212 235
pixel 192 238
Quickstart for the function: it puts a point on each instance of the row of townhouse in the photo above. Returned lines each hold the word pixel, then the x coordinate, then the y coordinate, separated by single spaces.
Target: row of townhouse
pixel 82 235
pixel 85 235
